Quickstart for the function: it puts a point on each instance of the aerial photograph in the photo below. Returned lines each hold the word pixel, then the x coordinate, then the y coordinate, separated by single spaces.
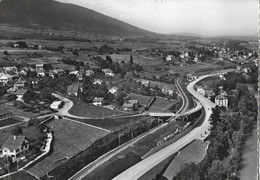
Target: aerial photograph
pixel 129 90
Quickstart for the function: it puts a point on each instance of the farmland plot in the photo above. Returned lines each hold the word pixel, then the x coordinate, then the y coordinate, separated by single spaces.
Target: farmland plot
pixel 69 139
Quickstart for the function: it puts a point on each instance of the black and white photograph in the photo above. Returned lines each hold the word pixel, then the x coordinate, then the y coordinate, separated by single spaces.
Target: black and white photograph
pixel 129 90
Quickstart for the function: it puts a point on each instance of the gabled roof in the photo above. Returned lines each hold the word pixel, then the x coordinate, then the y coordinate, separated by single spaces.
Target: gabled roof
pixel 20 91
pixel 220 97
pixel 133 101
pixel 39 65
pixel 96 99
pixel 73 88
pixel 128 105
pixel 14 142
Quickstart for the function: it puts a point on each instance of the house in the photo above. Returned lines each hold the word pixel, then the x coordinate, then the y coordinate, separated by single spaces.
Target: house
pixel 128 107
pixel 131 105
pixel 58 71
pixel 189 76
pixel 222 92
pixel 89 73
pixel 22 94
pixel 23 72
pixel 108 72
pixel 74 72
pixel 5 116
pixel 98 101
pixel 80 74
pixel 113 90
pixel 57 104
pixel 73 90
pixel 15 146
pixel 19 84
pixel 34 81
pixel 5 79
pixel 169 58
pixel 40 70
pixel 167 90
pixel 145 83
pixel 201 90
pixel 97 81
pixel 221 101
pixel 80 86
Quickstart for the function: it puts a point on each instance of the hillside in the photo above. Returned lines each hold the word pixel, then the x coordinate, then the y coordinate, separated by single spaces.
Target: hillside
pixel 61 16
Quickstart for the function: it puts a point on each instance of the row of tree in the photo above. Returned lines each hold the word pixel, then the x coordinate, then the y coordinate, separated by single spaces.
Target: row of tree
pixel 226 140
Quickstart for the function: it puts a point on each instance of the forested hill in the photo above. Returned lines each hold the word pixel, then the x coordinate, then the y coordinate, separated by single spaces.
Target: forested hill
pixel 62 16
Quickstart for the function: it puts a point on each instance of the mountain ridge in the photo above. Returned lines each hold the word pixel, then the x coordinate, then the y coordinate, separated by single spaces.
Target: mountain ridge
pixel 63 16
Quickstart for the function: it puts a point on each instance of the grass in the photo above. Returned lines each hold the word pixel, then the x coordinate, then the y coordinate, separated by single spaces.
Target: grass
pixel 114 166
pixel 116 123
pixel 143 100
pixel 21 175
pixel 162 105
pixel 158 169
pixel 150 141
pixel 69 139
pixel 194 152
pixel 89 110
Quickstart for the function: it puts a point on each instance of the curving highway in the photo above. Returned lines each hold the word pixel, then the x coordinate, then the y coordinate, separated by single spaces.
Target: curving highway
pixel 200 132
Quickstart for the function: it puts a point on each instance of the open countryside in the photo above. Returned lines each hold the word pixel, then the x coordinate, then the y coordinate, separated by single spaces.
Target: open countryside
pixel 84 95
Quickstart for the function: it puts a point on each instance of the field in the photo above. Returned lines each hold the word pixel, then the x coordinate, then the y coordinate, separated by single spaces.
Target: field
pixel 158 169
pixel 89 110
pixel 162 105
pixel 194 152
pixel 21 175
pixel 143 100
pixel 116 123
pixel 69 139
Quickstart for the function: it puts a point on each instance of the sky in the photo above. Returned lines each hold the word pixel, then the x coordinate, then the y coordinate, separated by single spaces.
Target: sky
pixel 204 17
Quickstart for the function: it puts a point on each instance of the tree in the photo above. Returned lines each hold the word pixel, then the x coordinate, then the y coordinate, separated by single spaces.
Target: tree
pixel 17 131
pixel 131 60
pixel 5 53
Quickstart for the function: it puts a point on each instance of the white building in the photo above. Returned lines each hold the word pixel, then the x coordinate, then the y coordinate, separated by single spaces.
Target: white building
pixel 57 104
pixel 221 101
pixel 113 90
pixel 169 58
pixel 98 101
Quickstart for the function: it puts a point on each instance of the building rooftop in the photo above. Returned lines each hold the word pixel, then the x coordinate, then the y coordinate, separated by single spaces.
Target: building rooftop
pixel 73 88
pixel 14 142
pixel 20 91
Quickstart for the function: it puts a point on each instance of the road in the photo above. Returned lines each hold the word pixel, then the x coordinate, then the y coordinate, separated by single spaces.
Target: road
pixel 200 132
pixel 185 99
pixel 90 167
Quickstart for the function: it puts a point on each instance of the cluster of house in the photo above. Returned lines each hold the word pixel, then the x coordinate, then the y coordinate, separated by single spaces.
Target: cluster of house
pixel 220 100
pixel 165 90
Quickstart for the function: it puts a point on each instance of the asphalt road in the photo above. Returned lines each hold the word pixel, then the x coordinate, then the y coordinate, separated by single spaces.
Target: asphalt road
pixel 200 132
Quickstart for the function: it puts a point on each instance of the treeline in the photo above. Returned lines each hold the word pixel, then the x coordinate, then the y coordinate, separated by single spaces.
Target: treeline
pixel 226 140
